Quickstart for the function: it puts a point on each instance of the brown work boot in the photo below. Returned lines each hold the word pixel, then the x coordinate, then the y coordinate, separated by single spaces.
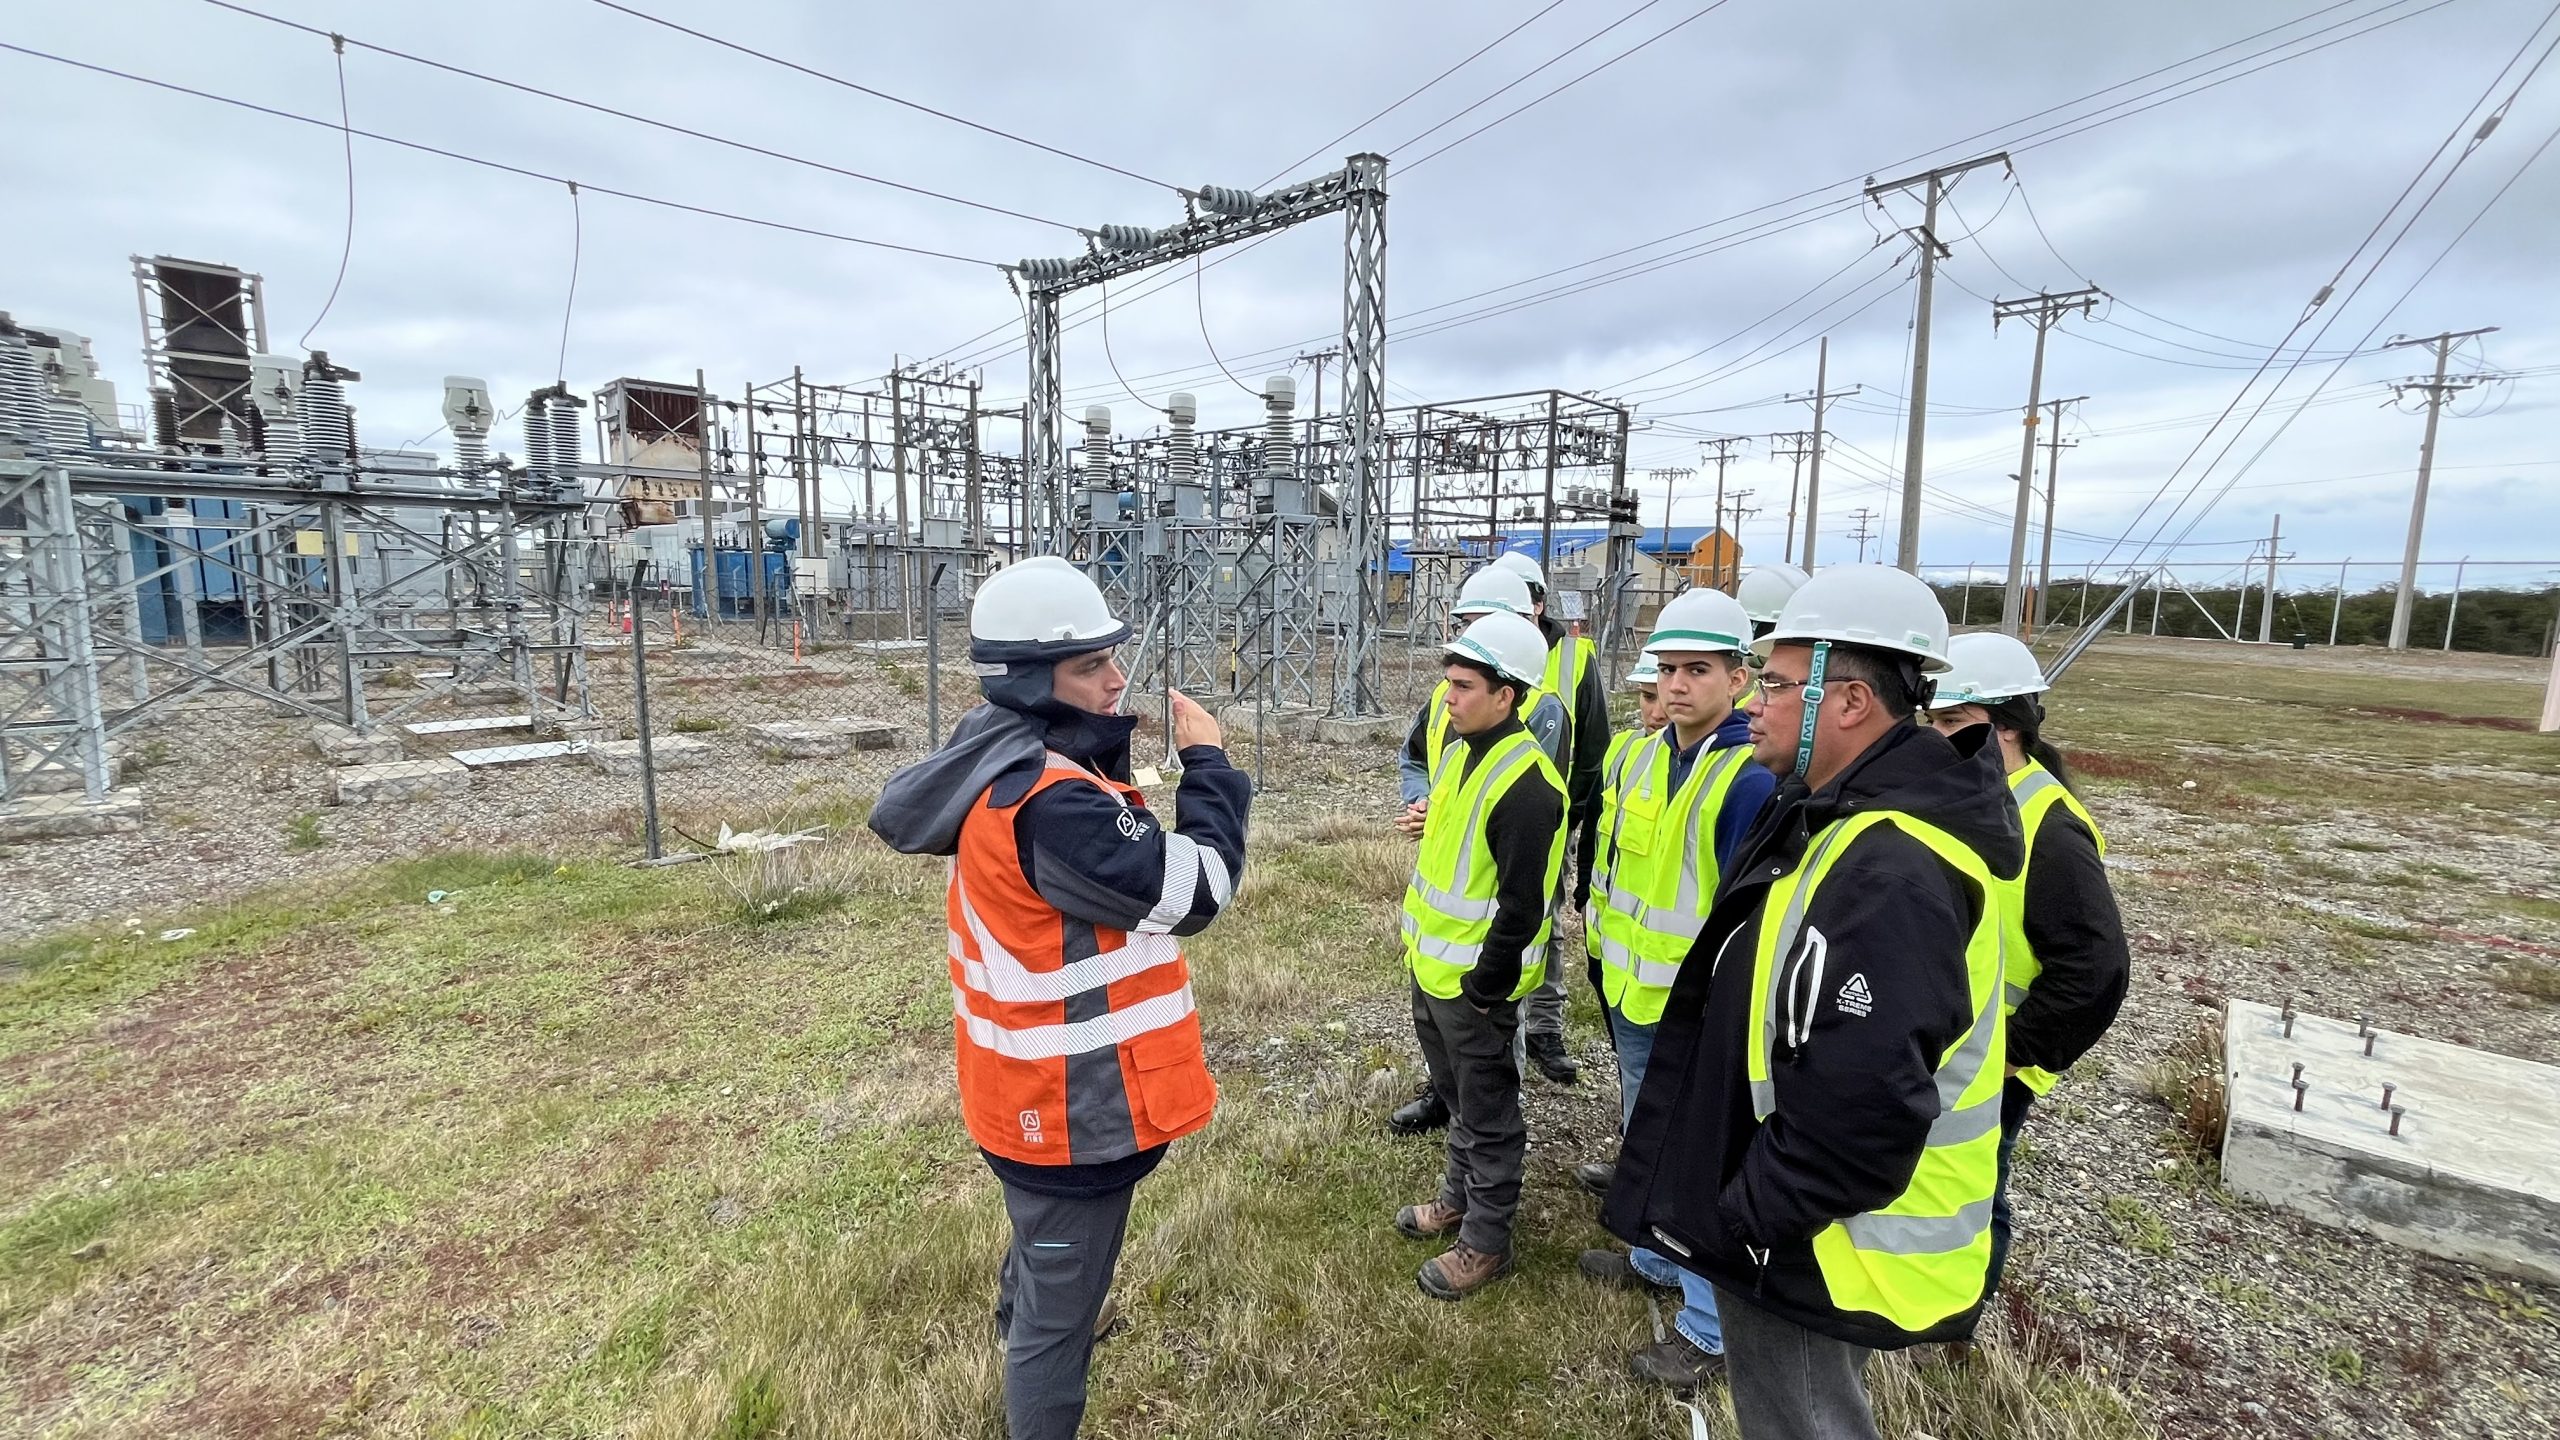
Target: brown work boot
pixel 1428 1221
pixel 1461 1272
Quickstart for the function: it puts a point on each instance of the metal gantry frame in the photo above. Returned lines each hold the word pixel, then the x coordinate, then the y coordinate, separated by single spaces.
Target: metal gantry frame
pixel 1281 560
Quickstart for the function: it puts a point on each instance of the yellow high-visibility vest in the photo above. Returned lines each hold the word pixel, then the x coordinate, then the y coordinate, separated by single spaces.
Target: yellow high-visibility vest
pixel 1925 1255
pixel 1662 871
pixel 1449 903
pixel 2037 791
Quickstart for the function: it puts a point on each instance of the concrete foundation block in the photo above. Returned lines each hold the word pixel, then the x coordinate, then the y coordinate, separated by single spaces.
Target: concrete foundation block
pixel 48 817
pixel 1375 730
pixel 821 739
pixel 667 752
pixel 2473 1174
pixel 56 777
pixel 1279 722
pixel 341 746
pixel 398 780
pixel 889 649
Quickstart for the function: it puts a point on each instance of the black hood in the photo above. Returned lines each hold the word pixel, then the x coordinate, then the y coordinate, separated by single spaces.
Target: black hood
pixel 995 752
pixel 1959 784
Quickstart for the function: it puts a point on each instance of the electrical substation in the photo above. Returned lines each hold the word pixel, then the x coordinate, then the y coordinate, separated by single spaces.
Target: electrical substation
pixel 235 540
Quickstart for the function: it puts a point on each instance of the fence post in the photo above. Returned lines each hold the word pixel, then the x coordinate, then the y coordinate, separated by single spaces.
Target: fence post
pixel 640 711
pixel 933 657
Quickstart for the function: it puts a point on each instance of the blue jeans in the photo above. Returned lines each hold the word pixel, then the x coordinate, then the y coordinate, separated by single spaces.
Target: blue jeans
pixel 2015 1097
pixel 1696 1322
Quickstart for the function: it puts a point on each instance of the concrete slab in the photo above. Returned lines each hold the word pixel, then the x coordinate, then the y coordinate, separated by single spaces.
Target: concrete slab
pixel 398 780
pixel 49 817
pixel 820 739
pixel 470 725
pixel 492 755
pixel 59 778
pixel 889 649
pixel 2473 1175
pixel 341 746
pixel 1279 722
pixel 1376 730
pixel 667 752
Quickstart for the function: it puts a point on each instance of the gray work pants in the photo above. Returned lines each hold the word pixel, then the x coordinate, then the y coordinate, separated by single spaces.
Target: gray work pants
pixel 1542 1009
pixel 1468 1053
pixel 1055 1277
pixel 1790 1383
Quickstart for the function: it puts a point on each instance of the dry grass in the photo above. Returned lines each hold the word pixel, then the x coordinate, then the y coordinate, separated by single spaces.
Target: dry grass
pixel 2189 1079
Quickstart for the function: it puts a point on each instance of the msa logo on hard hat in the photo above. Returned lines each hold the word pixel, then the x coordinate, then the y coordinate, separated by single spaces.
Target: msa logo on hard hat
pixel 1916 640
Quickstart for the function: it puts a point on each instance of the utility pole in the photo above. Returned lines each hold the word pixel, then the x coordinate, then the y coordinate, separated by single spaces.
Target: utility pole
pixel 1732 556
pixel 1670 476
pixel 2054 445
pixel 2436 391
pixel 1935 184
pixel 2267 612
pixel 1822 396
pixel 1865 531
pixel 1791 445
pixel 1720 450
pixel 2044 311
pixel 1316 358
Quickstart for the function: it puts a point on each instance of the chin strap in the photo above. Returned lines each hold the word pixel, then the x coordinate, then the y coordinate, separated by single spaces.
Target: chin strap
pixel 1812 708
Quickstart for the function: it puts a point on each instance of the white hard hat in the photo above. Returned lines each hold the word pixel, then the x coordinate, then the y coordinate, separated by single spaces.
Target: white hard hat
pixel 1511 644
pixel 1495 589
pixel 1874 606
pixel 1764 591
pixel 1646 672
pixel 1700 620
pixel 1041 609
pixel 1519 563
pixel 1987 668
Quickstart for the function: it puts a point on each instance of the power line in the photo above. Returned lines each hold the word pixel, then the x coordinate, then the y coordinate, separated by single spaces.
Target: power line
pixel 656 124
pixel 577 249
pixel 1576 80
pixel 915 105
pixel 346 250
pixel 528 174
pixel 2088 122
pixel 1413 93
pixel 1555 59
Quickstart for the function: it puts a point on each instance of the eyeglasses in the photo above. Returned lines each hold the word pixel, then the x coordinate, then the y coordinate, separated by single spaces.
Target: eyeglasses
pixel 1772 686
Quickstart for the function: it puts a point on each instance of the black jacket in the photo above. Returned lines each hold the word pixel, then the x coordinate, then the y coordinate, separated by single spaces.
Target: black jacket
pixel 1703 1183
pixel 1587 750
pixel 2078 936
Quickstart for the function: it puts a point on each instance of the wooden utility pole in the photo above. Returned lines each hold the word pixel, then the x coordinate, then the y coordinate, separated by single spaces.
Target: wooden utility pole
pixel 1934 185
pixel 1730 557
pixel 1792 445
pixel 2043 311
pixel 1720 450
pixel 706 589
pixel 2436 390
pixel 1864 531
pixel 1821 397
pixel 1670 476
pixel 2267 612
pixel 2054 445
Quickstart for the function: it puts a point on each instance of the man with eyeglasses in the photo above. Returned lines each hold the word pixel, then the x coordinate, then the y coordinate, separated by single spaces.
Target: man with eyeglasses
pixel 1818 1128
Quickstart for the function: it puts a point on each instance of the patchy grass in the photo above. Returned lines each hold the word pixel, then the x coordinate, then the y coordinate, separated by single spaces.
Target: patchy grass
pixel 698 725
pixel 586 1150
pixel 2188 1078
pixel 2533 979
pixel 2137 1227
pixel 302 833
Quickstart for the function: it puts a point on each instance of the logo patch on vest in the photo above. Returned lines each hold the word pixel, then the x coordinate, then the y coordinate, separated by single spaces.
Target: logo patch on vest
pixel 1031 1135
pixel 1131 827
pixel 1855 998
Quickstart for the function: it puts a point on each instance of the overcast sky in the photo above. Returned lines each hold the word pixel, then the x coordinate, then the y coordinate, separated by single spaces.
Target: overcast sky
pixel 2211 218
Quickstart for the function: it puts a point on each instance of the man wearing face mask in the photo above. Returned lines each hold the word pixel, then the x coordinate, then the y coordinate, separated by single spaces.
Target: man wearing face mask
pixel 1079 1052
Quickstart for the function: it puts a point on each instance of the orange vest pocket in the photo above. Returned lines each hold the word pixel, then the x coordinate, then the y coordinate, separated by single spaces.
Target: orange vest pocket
pixel 1172 1078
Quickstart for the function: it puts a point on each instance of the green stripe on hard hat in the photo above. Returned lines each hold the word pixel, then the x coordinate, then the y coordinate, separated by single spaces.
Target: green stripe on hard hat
pixel 1707 640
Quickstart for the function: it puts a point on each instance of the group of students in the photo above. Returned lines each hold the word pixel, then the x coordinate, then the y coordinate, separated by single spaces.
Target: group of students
pixel 1840 951
pixel 1846 919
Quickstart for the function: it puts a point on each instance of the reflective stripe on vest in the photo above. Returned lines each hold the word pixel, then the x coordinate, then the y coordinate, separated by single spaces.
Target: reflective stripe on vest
pixel 2037 791
pixel 1613 774
pixel 1568 660
pixel 1925 1255
pixel 1076 1043
pixel 1450 902
pixel 1662 873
